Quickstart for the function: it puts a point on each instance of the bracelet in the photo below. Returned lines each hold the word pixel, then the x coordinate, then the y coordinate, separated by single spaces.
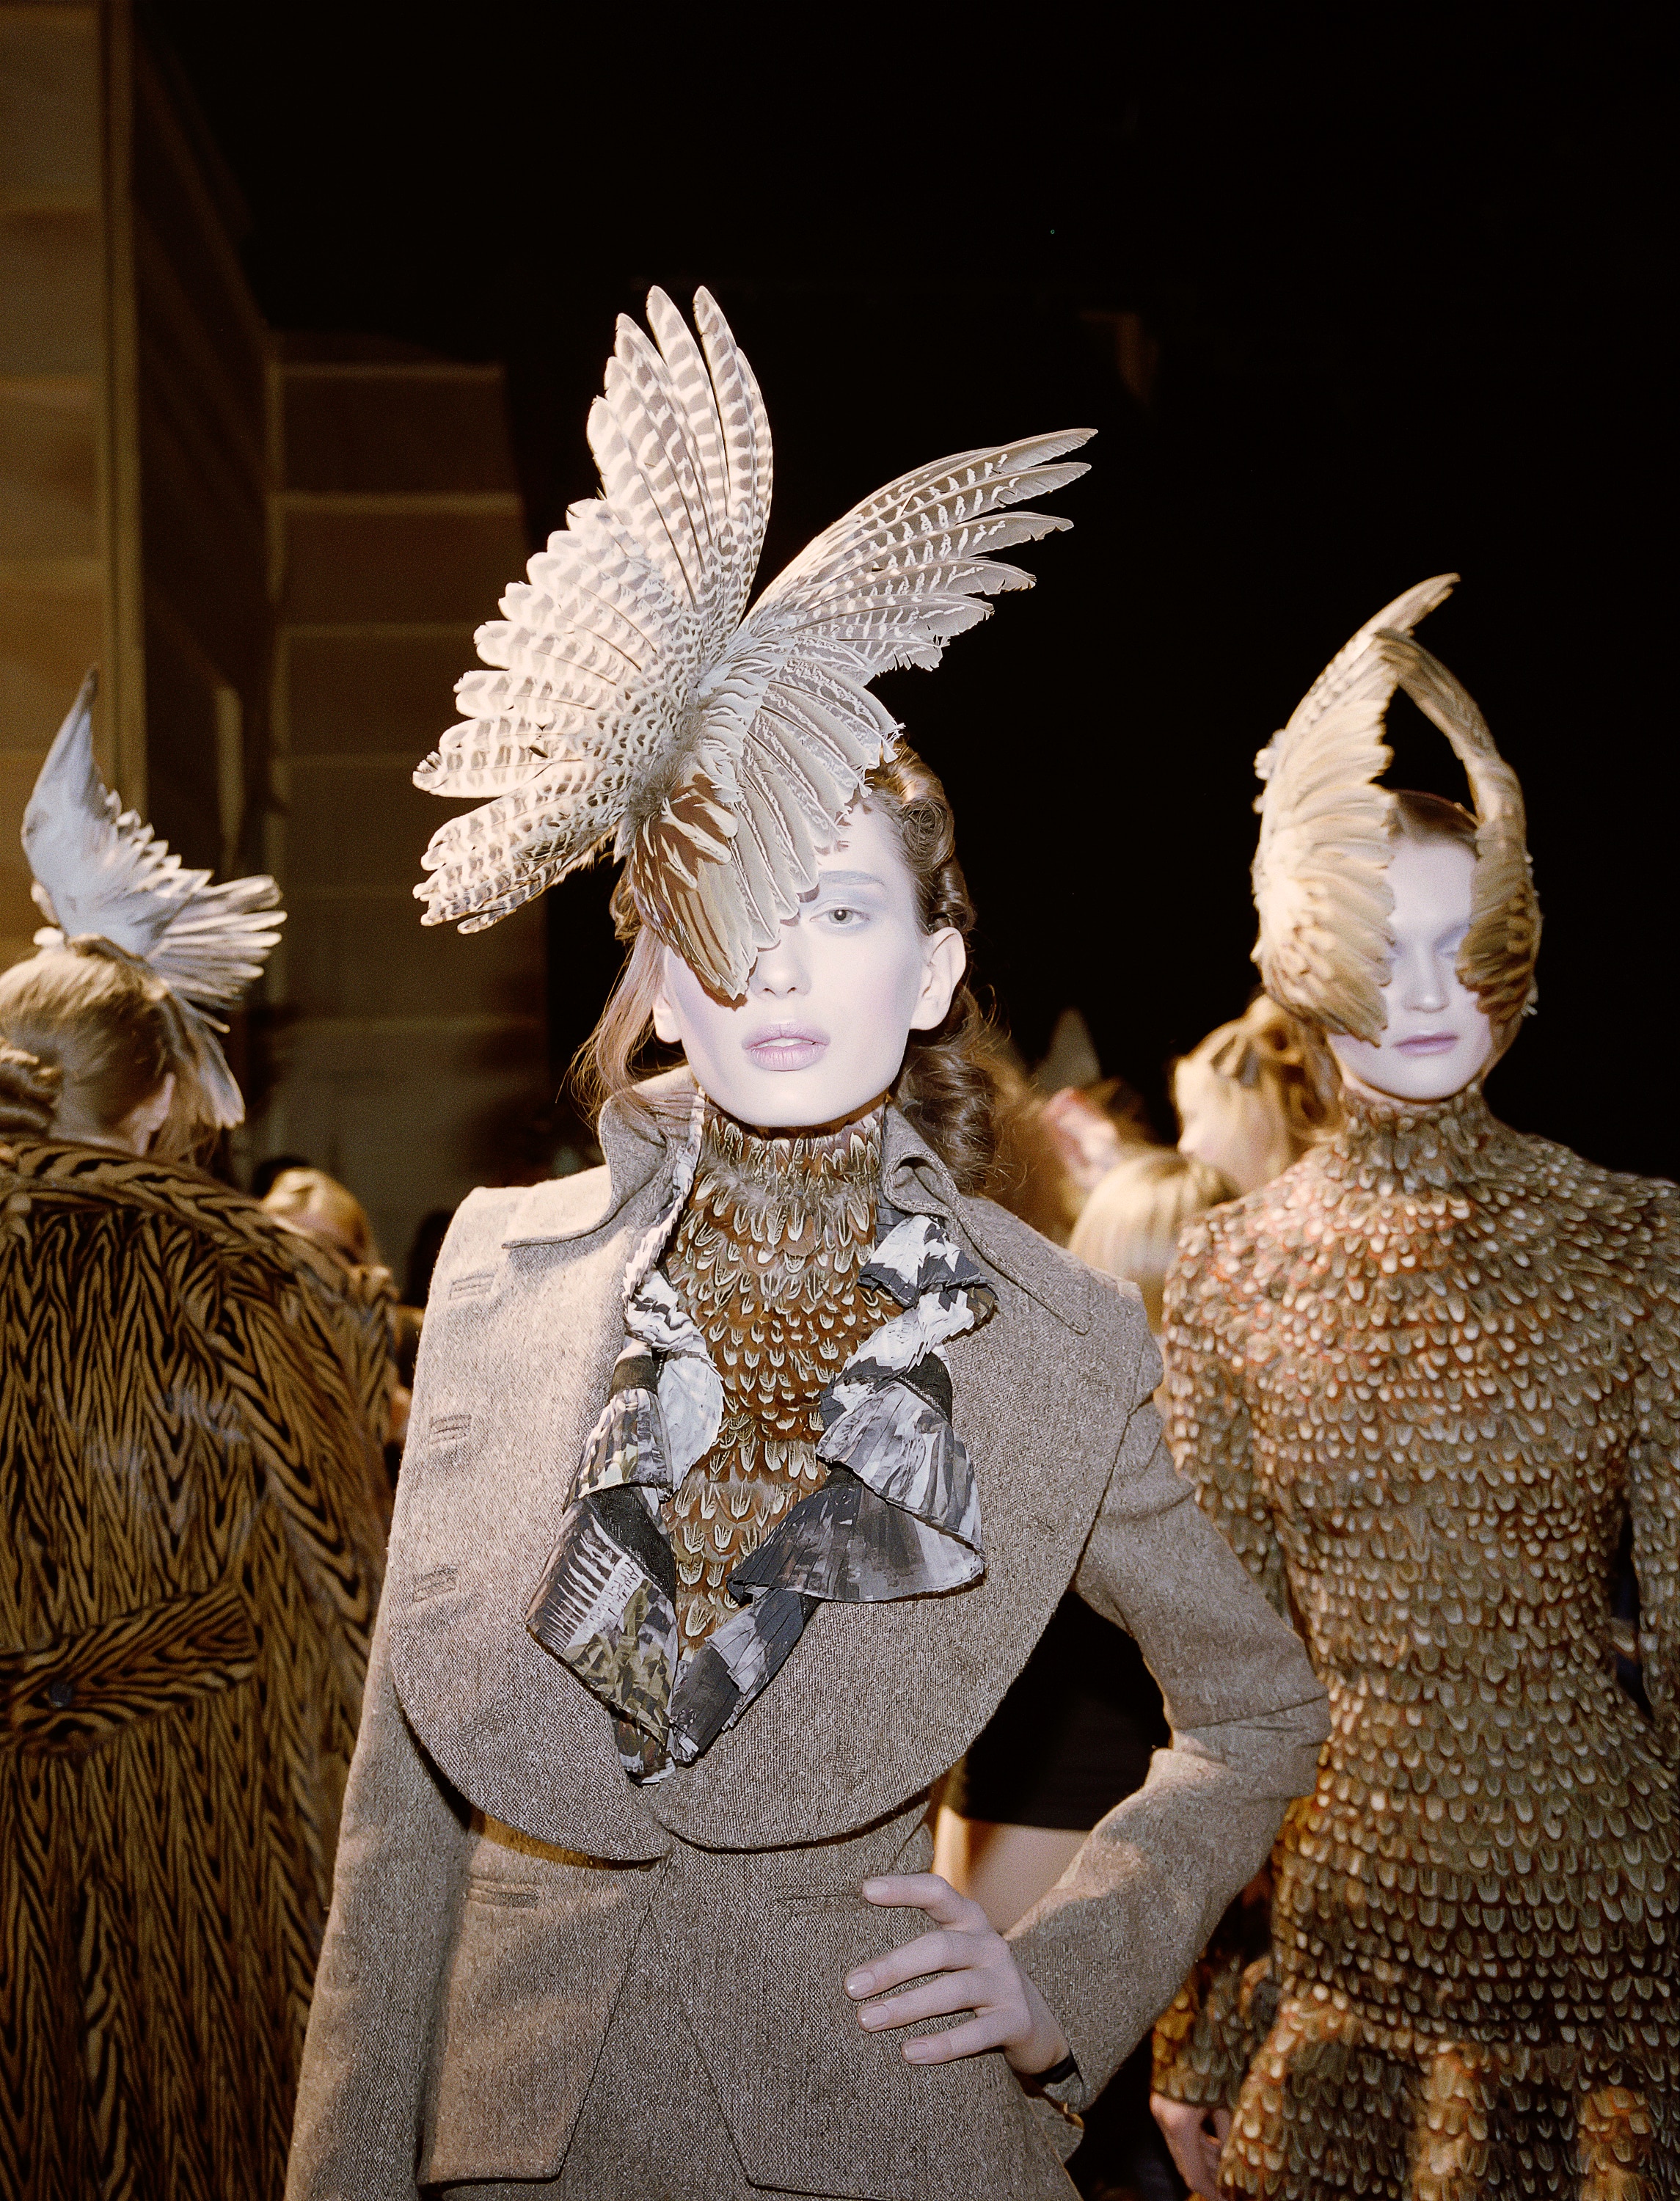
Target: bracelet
pixel 1058 2072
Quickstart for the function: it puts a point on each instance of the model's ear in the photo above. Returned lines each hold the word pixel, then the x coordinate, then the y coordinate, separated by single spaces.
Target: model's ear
pixel 945 960
pixel 667 1026
pixel 147 1117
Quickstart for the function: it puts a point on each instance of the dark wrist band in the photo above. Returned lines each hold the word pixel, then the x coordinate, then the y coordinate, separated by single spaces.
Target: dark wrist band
pixel 1067 2069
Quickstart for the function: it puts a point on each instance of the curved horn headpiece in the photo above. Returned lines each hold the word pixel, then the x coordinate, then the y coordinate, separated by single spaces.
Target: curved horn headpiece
pixel 633 699
pixel 100 870
pixel 1320 883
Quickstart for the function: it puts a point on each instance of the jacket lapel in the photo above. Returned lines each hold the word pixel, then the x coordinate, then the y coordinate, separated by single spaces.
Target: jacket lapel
pixel 876 1701
pixel 521 1332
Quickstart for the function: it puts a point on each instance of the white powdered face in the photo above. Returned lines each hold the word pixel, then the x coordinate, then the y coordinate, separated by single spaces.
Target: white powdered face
pixel 821 1031
pixel 1437 1038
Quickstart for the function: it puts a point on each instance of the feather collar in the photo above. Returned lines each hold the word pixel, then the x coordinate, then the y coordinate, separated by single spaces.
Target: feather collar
pixel 898 1516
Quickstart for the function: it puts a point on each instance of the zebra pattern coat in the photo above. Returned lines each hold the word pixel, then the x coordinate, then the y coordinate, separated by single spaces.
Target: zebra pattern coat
pixel 190 1401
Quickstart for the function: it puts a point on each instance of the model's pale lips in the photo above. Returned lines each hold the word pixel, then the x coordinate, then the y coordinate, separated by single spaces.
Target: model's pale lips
pixel 785 1046
pixel 1429 1043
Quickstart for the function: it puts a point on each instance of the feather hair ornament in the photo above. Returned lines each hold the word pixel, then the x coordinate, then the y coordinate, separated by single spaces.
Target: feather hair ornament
pixel 1320 869
pixel 100 870
pixel 632 700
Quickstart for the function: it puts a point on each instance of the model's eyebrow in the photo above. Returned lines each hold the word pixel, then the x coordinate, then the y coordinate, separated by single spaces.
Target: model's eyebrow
pixel 845 882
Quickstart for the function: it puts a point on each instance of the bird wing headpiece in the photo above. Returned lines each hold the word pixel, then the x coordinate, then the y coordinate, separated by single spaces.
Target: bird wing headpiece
pixel 100 870
pixel 1320 883
pixel 633 699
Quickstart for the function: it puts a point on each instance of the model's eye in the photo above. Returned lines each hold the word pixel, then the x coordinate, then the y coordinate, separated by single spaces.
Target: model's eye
pixel 840 915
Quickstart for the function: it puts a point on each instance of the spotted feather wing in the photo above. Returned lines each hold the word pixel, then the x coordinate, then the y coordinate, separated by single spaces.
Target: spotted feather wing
pixel 791 731
pixel 579 726
pixel 628 703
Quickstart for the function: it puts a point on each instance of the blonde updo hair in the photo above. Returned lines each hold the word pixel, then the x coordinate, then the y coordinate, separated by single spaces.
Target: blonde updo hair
pixel 87 1033
pixel 1268 1079
pixel 312 1202
pixel 1130 1225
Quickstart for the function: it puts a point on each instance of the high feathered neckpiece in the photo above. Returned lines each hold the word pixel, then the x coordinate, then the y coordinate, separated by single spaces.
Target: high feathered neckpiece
pixel 100 870
pixel 1321 871
pixel 634 701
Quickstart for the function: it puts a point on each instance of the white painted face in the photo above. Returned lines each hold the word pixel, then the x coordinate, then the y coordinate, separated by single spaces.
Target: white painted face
pixel 1437 1038
pixel 821 1031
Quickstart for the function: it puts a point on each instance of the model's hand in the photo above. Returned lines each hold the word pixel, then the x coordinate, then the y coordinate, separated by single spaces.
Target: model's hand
pixel 977 1971
pixel 1195 2137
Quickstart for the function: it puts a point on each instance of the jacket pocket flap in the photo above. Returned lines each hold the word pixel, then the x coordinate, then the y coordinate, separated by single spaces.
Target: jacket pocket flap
pixel 813 2102
pixel 534 1972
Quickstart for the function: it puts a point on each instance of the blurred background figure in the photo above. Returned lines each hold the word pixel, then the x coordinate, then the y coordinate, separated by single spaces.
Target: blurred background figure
pixel 317 1207
pixel 271 1167
pixel 310 1200
pixel 1064 1126
pixel 1130 1225
pixel 189 1415
pixel 1252 1098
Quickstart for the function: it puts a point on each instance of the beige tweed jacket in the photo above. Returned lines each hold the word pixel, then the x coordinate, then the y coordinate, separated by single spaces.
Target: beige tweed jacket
pixel 539 1976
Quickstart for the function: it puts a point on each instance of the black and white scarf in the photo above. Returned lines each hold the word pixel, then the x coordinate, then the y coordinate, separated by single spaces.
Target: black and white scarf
pixel 898 1515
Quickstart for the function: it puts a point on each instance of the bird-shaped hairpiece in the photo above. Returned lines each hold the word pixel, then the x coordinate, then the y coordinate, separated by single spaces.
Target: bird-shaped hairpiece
pixel 99 870
pixel 1319 874
pixel 633 699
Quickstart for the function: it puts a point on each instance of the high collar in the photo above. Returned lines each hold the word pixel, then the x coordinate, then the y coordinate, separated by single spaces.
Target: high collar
pixel 914 1179
pixel 1412 1145
pixel 643 1152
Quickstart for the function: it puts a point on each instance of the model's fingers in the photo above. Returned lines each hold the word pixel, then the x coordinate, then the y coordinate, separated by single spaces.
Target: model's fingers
pixel 928 1952
pixel 941 1998
pixel 989 2030
pixel 925 1891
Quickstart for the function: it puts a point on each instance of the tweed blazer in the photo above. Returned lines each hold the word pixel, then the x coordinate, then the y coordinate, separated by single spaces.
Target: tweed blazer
pixel 497 1873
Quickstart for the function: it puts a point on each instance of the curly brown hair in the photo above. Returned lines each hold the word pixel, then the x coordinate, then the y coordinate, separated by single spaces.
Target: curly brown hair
pixel 947 1087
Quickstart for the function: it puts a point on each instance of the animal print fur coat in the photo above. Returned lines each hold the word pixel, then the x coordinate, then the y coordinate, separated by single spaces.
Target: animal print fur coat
pixel 191 1398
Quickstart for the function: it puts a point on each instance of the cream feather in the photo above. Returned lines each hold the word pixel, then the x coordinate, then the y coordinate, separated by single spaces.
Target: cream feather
pixel 1319 886
pixel 1497 960
pixel 100 870
pixel 630 697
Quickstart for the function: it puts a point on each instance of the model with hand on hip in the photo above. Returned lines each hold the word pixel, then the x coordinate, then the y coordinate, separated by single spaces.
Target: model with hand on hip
pixel 746 1470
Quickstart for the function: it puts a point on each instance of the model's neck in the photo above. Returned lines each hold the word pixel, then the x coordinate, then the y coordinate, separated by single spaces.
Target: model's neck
pixel 868 1113
pixel 843 1157
pixel 798 1207
pixel 1416 1143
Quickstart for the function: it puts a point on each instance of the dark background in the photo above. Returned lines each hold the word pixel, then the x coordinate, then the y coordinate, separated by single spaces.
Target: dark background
pixel 1350 301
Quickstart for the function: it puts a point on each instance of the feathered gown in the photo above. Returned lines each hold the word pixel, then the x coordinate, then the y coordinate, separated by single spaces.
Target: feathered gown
pixel 1420 1380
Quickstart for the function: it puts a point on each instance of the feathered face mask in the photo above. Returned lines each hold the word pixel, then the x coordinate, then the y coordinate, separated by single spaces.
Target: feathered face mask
pixel 634 703
pixel 1320 883
pixel 100 870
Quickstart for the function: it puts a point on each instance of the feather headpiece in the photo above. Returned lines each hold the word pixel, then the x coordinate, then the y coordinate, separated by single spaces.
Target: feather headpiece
pixel 633 699
pixel 100 870
pixel 1320 869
